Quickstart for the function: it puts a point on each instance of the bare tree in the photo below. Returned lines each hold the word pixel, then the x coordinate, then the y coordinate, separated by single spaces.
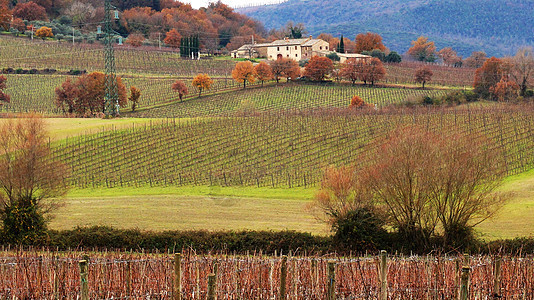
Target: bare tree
pixel 80 12
pixel 28 179
pixel 522 68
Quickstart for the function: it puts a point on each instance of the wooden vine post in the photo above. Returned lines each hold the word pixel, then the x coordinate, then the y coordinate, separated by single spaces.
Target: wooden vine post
pixel 84 287
pixel 383 273
pixel 212 290
pixel 464 283
pixel 497 278
pixel 331 281
pixel 283 277
pixel 177 276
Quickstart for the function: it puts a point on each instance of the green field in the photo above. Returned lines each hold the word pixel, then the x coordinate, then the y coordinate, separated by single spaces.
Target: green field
pixel 229 208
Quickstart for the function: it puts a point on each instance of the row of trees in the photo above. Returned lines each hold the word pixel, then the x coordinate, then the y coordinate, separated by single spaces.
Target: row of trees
pixel 422 184
pixel 317 69
pixel 86 95
pixel 505 78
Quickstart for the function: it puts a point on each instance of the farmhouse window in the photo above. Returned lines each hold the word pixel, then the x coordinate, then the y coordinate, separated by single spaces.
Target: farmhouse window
pixel 295 47
pixel 320 47
pixel 296 55
pixel 277 48
pixel 326 47
pixel 287 48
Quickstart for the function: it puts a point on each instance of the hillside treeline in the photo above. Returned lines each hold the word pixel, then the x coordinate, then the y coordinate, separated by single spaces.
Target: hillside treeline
pixel 215 26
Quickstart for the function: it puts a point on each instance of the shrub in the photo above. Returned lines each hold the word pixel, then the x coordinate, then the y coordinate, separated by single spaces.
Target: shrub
pixel 360 230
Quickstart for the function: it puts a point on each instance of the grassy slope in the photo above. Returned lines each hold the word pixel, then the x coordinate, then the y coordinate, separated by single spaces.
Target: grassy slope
pixel 228 208
pixel 516 218
pixel 62 128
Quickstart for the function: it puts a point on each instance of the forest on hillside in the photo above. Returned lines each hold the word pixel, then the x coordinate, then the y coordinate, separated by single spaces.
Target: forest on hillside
pixel 494 26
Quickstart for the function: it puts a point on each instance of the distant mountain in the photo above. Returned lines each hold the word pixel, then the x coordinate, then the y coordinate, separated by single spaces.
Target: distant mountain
pixel 497 27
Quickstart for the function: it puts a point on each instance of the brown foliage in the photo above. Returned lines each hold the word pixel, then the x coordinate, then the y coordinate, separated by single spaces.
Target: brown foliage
pixel 243 72
pixel 449 56
pixel 202 82
pixel 488 75
pixel 5 14
pixel 173 38
pixel 476 60
pixel 285 67
pixel 522 68
pixel 18 24
pixel 3 96
pixel 505 89
pixel 373 71
pixel 30 11
pixel 340 193
pixel 44 32
pixel 357 102
pixel 368 42
pixel 85 97
pixel 263 72
pixel 218 20
pixel 423 75
pixel 422 49
pixel 424 178
pixel 28 179
pixel 135 39
pixel 352 69
pixel 180 87
pixel 318 68
pixel 135 94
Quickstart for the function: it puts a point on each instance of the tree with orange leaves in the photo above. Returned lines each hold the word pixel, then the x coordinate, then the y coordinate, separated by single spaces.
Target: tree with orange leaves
pixel 173 38
pixel 373 71
pixel 30 11
pixel 135 94
pixel 357 102
pixel 85 97
pixel 202 82
pixel 318 68
pixel 135 39
pixel 449 56
pixel 423 75
pixel 368 42
pixel 44 32
pixel 18 24
pixel 488 76
pixel 505 89
pixel 3 96
pixel 285 67
pixel 423 50
pixel 263 72
pixel 243 72
pixel 180 88
pixel 352 69
pixel 5 15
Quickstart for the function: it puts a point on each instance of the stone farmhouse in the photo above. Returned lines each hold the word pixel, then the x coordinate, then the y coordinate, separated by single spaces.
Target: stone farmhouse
pixel 296 49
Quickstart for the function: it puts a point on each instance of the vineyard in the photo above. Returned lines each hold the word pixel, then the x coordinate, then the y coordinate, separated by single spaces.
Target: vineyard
pixel 36 92
pixel 122 275
pixel 272 150
pixel 285 97
pixel 20 53
pixel 153 72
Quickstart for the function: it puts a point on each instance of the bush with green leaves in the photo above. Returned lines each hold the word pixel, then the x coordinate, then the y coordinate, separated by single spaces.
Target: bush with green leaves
pixel 360 230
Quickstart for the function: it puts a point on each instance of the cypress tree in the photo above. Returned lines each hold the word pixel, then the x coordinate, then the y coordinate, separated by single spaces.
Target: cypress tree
pixel 341 46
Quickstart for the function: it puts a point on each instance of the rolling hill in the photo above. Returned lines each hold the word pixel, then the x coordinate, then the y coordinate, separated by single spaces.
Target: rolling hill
pixel 494 26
